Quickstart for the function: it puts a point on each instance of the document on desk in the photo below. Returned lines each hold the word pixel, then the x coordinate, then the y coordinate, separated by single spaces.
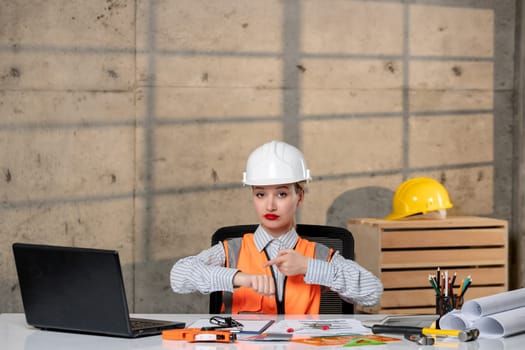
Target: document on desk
pixel 320 327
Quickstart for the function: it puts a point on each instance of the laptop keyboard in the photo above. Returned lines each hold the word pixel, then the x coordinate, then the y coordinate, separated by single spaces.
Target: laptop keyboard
pixel 141 324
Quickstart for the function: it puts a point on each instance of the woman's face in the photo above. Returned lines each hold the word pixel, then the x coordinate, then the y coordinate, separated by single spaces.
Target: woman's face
pixel 276 206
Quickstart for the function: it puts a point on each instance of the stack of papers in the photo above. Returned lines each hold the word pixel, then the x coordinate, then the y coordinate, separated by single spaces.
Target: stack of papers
pixel 495 316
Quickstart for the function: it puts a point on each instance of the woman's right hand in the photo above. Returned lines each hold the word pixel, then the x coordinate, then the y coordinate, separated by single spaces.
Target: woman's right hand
pixel 261 284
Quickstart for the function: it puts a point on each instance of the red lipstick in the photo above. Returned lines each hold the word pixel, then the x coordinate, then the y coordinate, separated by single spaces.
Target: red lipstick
pixel 271 216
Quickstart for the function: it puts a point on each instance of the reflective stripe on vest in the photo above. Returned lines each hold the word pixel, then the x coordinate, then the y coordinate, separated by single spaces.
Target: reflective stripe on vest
pixel 299 297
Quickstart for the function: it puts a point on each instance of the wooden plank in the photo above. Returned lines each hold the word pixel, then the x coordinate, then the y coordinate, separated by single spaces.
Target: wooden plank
pixel 451 221
pixel 367 246
pixel 443 238
pixel 419 278
pixel 443 258
pixel 408 311
pixel 426 297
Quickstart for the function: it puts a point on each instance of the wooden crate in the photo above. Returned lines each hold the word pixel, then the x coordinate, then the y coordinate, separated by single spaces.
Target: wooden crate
pixel 402 253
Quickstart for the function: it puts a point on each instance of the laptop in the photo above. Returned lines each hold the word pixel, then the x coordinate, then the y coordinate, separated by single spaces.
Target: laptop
pixel 78 290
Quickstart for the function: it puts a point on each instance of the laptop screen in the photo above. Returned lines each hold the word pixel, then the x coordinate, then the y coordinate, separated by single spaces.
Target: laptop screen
pixel 76 289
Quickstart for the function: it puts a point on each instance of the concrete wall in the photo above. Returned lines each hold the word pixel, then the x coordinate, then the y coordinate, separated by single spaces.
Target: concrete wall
pixel 126 124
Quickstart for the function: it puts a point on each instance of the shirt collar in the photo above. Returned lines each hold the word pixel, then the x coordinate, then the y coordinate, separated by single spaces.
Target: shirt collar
pixel 262 238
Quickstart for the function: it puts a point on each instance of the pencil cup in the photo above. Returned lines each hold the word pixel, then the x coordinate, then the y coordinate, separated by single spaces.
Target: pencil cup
pixel 445 304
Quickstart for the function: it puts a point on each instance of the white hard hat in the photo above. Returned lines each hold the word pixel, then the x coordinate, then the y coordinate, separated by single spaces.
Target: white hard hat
pixel 275 163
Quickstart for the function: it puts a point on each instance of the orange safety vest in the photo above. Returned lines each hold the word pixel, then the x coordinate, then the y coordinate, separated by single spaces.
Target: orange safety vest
pixel 299 297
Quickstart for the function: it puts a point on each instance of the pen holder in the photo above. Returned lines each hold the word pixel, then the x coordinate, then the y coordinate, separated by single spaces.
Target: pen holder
pixel 445 304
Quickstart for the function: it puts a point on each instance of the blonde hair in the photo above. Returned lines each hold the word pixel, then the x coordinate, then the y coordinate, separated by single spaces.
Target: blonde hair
pixel 300 187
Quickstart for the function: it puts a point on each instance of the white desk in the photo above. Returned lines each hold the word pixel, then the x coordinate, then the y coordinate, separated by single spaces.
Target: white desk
pixel 15 334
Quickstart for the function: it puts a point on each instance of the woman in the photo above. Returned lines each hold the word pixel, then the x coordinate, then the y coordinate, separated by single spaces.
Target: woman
pixel 273 270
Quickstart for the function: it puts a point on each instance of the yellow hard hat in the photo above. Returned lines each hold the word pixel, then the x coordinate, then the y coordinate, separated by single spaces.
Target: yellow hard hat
pixel 418 196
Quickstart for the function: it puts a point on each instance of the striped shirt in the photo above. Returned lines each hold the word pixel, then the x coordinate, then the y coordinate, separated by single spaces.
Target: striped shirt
pixel 205 272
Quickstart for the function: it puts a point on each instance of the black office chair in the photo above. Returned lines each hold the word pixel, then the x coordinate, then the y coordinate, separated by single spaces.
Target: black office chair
pixel 337 238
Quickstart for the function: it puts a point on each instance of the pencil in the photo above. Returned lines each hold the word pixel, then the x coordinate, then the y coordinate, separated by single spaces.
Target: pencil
pixel 466 287
pixel 454 279
pixel 461 288
pixel 438 277
pixel 446 283
pixel 433 284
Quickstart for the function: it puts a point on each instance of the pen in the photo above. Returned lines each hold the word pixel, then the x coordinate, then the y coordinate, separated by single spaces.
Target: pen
pixel 212 328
